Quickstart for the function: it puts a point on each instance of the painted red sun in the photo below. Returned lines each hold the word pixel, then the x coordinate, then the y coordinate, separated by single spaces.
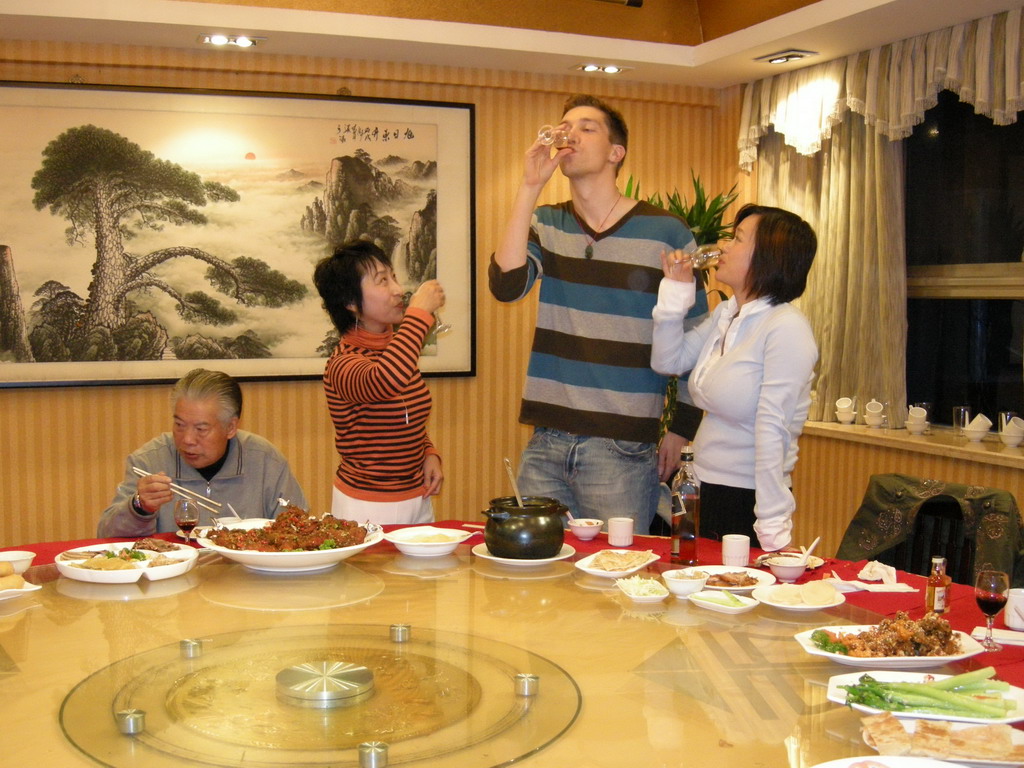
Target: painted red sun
pixel 250 155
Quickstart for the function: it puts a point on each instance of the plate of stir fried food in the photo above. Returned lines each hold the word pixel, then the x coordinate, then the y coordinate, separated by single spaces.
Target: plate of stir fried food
pixel 294 541
pixel 898 642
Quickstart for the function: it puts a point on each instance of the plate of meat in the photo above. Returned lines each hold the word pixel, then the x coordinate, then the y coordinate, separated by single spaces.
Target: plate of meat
pixel 294 541
pixel 734 578
pixel 119 563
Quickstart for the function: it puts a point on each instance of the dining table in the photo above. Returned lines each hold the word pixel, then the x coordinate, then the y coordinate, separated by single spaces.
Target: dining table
pixel 474 662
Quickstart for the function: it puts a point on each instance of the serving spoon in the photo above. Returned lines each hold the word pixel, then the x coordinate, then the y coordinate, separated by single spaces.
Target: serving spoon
pixel 512 479
pixel 807 552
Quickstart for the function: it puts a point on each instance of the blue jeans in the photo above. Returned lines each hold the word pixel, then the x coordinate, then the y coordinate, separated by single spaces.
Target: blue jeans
pixel 592 476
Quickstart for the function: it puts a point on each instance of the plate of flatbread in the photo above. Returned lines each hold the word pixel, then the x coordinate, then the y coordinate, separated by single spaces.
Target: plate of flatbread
pixel 965 743
pixel 616 563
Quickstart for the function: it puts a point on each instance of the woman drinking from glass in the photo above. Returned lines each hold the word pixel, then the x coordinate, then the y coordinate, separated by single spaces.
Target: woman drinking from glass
pixel 388 468
pixel 751 364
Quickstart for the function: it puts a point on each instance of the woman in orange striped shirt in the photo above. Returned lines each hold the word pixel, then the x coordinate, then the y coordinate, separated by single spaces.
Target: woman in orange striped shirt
pixel 377 399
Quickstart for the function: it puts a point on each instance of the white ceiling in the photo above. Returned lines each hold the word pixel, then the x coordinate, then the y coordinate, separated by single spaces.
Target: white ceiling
pixel 833 28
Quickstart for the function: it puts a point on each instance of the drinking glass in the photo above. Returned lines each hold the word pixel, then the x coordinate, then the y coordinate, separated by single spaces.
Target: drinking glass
pixel 706 256
pixel 186 516
pixel 927 416
pixel 553 136
pixel 961 418
pixel 440 326
pixel 990 590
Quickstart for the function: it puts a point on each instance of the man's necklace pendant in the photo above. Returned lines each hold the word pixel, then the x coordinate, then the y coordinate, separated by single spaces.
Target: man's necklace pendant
pixel 589 251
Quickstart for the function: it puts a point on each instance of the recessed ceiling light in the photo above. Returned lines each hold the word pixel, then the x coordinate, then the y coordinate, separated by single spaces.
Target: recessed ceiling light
pixel 608 69
pixel 242 41
pixel 782 57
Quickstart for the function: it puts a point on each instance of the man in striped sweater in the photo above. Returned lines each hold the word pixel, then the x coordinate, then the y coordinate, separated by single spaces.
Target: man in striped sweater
pixel 590 393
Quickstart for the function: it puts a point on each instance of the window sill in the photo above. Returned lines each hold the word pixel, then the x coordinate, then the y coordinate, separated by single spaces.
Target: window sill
pixel 941 442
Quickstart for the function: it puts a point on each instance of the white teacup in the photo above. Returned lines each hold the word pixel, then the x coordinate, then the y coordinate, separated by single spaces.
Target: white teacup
pixel 916 414
pixel 844 404
pixel 981 421
pixel 846 417
pixel 874 407
pixel 916 427
pixel 1015 426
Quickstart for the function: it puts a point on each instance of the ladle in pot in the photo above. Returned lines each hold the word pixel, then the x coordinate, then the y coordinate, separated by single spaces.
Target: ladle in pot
pixel 512 479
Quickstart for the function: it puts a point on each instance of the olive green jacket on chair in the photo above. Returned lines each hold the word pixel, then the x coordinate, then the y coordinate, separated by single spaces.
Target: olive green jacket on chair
pixel 885 523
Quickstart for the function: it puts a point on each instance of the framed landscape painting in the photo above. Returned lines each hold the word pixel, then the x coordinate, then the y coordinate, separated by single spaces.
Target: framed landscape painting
pixel 144 233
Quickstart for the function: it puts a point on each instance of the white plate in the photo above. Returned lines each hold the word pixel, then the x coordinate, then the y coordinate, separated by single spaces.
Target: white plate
pixel 480 550
pixel 1016 738
pixel 289 562
pixel 763 579
pixel 971 648
pixel 749 603
pixel 584 565
pixel 836 694
pixel 405 540
pixel 888 761
pixel 185 554
pixel 7 594
pixel 764 594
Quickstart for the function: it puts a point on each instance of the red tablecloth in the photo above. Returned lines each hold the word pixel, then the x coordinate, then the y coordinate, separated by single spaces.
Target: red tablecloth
pixel 963 613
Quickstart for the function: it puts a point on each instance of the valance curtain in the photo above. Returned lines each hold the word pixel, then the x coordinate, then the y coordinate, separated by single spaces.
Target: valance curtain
pixel 845 176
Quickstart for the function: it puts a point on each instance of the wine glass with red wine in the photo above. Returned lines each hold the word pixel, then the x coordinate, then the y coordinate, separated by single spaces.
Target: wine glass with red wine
pixel 186 516
pixel 990 588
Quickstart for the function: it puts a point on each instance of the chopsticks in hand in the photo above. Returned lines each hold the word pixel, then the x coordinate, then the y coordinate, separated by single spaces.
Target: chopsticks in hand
pixel 208 504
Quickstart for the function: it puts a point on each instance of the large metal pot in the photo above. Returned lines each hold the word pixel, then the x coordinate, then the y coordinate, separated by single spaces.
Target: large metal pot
pixel 529 532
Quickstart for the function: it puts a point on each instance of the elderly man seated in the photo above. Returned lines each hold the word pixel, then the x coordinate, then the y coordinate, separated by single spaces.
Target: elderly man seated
pixel 205 453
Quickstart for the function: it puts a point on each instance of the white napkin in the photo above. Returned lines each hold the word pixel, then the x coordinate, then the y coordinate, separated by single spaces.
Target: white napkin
pixel 876 571
pixel 981 421
pixel 1003 636
pixel 855 585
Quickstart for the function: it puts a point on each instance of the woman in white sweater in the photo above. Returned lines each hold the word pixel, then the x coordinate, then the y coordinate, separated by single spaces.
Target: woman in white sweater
pixel 751 364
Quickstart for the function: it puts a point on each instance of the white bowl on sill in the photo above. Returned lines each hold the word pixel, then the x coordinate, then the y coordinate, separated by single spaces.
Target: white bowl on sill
pixel 916 427
pixel 1010 439
pixel 846 417
pixel 975 435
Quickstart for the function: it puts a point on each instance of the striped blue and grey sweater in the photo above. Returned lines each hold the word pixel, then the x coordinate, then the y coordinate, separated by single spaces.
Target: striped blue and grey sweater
pixel 590 367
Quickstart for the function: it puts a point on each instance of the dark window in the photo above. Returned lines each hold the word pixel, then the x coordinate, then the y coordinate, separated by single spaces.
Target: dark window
pixel 965 206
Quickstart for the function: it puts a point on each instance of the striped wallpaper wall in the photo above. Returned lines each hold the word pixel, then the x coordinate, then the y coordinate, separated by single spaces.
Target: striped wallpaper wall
pixel 62 450
pixel 832 474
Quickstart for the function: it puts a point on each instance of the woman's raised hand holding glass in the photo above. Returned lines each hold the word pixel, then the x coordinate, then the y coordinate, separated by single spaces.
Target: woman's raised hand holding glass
pixel 430 297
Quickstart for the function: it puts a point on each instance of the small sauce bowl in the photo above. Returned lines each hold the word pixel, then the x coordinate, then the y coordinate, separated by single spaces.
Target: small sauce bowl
pixel 684 581
pixel 585 528
pixel 787 568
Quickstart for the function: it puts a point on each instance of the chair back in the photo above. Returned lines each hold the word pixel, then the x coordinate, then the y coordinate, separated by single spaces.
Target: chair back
pixel 938 529
pixel 903 521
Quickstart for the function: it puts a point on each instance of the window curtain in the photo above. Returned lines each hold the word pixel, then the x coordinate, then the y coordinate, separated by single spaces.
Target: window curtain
pixel 824 141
